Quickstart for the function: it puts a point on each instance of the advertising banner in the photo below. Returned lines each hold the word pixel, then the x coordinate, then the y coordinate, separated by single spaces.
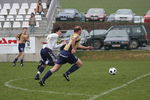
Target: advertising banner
pixel 9 45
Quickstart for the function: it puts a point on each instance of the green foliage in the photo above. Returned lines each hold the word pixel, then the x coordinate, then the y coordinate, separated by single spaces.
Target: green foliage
pixel 140 7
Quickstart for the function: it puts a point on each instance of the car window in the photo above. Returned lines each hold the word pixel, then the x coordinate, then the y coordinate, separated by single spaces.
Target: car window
pixel 124 12
pixel 122 28
pixel 96 11
pixel 69 11
pixel 118 33
pixel 136 29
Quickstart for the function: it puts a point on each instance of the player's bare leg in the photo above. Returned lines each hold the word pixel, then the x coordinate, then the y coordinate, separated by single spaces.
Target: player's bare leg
pixel 21 58
pixel 16 58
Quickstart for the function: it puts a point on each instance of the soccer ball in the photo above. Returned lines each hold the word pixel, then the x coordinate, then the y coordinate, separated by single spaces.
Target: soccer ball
pixel 112 71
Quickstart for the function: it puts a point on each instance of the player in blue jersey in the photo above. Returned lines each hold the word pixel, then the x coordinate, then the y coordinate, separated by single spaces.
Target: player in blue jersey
pixel 48 58
pixel 67 56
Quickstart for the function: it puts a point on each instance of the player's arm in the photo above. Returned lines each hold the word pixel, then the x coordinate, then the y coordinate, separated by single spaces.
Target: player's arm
pixel 18 36
pixel 85 47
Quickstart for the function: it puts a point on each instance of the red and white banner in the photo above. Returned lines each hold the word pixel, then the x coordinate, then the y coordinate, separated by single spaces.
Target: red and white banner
pixel 9 45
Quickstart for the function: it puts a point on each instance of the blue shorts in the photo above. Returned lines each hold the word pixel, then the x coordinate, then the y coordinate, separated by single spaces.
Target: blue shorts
pixel 47 55
pixel 66 57
pixel 21 47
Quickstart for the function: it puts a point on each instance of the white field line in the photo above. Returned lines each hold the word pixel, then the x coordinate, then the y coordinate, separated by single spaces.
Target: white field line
pixel 7 84
pixel 119 87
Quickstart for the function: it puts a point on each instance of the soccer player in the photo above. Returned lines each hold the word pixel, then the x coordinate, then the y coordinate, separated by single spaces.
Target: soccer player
pixel 67 56
pixel 48 58
pixel 22 38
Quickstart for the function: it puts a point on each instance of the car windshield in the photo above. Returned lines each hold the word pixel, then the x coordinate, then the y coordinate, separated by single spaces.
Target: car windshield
pixel 69 11
pixel 117 33
pixel 97 32
pixel 124 11
pixel 96 11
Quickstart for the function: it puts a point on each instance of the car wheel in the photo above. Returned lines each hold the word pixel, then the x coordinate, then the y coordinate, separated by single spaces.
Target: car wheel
pixel 97 44
pixel 134 44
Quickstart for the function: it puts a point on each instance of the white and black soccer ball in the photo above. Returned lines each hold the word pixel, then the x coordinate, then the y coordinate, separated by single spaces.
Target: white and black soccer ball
pixel 112 71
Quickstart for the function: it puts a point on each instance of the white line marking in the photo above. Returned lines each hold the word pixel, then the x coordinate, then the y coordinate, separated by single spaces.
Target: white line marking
pixel 119 87
pixel 7 84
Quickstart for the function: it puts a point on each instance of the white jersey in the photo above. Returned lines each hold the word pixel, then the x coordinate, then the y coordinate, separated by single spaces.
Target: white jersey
pixel 52 42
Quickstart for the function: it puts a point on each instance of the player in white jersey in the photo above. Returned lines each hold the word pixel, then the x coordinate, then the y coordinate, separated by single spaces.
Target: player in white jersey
pixel 48 58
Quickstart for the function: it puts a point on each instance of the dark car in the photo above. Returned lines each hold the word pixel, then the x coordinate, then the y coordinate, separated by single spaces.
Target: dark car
pixel 117 39
pixel 95 14
pixel 96 38
pixel 69 15
pixel 137 34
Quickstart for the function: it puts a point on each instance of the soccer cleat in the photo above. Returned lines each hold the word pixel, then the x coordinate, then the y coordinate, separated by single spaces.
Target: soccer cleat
pixel 37 78
pixel 41 83
pixel 66 77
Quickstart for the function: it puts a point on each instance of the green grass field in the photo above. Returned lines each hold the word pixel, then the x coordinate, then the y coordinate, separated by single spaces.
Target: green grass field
pixel 92 79
pixel 140 7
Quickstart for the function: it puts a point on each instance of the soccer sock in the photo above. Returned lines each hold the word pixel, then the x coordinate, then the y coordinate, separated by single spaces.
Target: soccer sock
pixel 21 61
pixel 72 69
pixel 15 60
pixel 41 69
pixel 48 74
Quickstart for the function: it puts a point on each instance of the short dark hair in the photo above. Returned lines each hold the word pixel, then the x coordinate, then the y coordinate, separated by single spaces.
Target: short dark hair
pixel 56 29
pixel 77 28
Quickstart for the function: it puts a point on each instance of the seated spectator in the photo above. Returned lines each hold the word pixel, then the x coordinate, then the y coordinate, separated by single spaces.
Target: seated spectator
pixel 32 23
pixel 39 8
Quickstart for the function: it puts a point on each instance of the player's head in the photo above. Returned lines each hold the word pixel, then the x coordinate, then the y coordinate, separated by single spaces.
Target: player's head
pixel 57 30
pixel 24 30
pixel 78 29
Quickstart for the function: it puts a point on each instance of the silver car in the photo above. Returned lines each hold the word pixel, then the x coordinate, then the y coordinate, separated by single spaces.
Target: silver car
pixel 124 15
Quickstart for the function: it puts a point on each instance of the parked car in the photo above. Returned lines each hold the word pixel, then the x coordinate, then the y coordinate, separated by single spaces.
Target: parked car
pixel 111 18
pixel 69 15
pixel 126 15
pixel 117 39
pixel 96 38
pixel 147 17
pixel 138 19
pixel 84 35
pixel 137 34
pixel 95 14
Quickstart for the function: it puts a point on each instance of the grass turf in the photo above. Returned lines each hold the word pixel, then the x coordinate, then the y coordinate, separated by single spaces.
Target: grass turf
pixel 140 7
pixel 91 79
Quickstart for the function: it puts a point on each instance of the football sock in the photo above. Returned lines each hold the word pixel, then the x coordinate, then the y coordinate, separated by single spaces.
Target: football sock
pixel 41 69
pixel 72 69
pixel 48 74
pixel 21 61
pixel 15 60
